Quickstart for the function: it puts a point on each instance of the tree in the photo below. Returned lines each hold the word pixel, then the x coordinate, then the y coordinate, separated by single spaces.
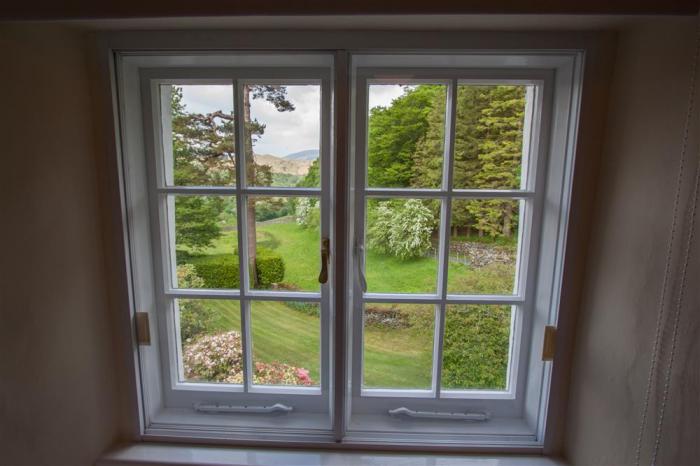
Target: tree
pixel 204 154
pixel 312 179
pixel 500 130
pixel 400 228
pixel 258 175
pixel 394 133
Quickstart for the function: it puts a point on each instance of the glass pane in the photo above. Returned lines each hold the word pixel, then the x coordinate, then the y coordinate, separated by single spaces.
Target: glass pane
pixel 401 244
pixel 199 136
pixel 476 347
pixel 210 337
pixel 483 246
pixel 205 241
pixel 287 243
pixel 398 346
pixel 283 131
pixel 489 137
pixel 286 343
pixel 406 134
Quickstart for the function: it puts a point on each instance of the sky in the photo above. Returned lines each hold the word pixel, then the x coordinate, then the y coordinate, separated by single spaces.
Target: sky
pixel 285 132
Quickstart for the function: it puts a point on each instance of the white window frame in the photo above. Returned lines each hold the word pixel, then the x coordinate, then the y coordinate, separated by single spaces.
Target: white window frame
pixel 523 427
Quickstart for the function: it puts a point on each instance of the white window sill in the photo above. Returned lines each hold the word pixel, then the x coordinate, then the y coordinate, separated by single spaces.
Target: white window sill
pixel 166 455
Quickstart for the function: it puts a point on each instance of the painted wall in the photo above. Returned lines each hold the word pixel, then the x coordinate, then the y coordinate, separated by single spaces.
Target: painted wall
pixel 626 260
pixel 58 389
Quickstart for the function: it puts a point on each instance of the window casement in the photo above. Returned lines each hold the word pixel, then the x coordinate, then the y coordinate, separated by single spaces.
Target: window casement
pixel 443 334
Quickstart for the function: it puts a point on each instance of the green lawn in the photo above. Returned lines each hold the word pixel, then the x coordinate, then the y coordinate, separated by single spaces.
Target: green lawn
pixel 283 334
pixel 394 357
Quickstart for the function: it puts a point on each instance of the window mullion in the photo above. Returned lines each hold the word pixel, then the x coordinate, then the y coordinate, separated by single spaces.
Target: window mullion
pixel 445 219
pixel 241 203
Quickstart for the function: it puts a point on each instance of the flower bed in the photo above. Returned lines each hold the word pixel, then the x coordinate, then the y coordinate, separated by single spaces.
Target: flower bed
pixel 219 358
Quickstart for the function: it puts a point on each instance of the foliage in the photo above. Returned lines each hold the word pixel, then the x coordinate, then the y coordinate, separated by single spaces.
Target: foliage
pixel 401 228
pixel 270 268
pixel 272 207
pixel 219 358
pixel 313 178
pixel 278 373
pixel 285 179
pixel 310 309
pixel 476 345
pixel 218 270
pixel 221 270
pixel 308 213
pixel 195 317
pixel 394 133
pixel 196 220
pixel 406 143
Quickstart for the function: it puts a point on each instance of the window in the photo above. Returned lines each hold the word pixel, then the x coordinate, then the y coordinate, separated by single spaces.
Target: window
pixel 460 168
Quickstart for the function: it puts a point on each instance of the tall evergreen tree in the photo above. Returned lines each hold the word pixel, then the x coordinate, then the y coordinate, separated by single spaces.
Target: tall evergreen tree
pixel 394 133
pixel 500 129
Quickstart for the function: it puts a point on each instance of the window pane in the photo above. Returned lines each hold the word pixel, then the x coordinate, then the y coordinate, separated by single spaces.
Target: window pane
pixel 483 246
pixel 287 242
pixel 210 337
pixel 199 135
pixel 283 131
pixel 406 133
pixel 286 343
pixel 476 347
pixel 401 240
pixel 398 346
pixel 489 137
pixel 205 241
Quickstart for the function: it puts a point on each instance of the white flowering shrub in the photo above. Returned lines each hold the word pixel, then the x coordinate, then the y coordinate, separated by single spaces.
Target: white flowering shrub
pixel 307 213
pixel 401 229
pixel 219 358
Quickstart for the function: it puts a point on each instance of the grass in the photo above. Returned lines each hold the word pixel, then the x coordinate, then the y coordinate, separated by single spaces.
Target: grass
pixel 394 357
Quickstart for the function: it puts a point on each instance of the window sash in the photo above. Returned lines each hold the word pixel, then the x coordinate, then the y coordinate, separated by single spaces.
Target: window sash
pixel 375 399
pixel 184 393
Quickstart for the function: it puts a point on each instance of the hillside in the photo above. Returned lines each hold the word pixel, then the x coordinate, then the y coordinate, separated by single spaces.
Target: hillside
pixel 283 165
pixel 308 154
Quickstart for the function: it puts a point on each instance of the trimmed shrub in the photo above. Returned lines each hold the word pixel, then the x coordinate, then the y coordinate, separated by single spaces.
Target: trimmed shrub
pixel 221 270
pixel 476 348
pixel 218 271
pixel 270 268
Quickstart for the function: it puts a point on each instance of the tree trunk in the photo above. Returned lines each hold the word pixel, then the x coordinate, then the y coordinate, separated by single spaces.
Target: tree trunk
pixel 507 219
pixel 250 178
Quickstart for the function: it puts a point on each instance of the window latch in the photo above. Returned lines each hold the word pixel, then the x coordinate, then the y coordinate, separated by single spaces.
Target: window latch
pixel 476 417
pixel 217 408
pixel 360 265
pixel 325 254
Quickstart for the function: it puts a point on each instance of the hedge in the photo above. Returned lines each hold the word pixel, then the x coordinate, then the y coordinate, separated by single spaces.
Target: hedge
pixel 218 271
pixel 270 268
pixel 221 270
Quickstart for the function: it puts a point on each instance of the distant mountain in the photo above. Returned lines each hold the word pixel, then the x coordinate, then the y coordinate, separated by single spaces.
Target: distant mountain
pixel 298 167
pixel 308 154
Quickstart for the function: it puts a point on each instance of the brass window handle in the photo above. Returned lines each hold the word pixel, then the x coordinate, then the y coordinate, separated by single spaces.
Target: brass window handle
pixel 325 254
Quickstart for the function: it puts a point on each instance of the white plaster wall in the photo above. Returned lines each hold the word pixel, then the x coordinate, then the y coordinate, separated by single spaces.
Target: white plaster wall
pixel 58 390
pixel 626 257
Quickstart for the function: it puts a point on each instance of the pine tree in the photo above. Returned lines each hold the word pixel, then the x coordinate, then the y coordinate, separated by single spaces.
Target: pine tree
pixel 500 129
